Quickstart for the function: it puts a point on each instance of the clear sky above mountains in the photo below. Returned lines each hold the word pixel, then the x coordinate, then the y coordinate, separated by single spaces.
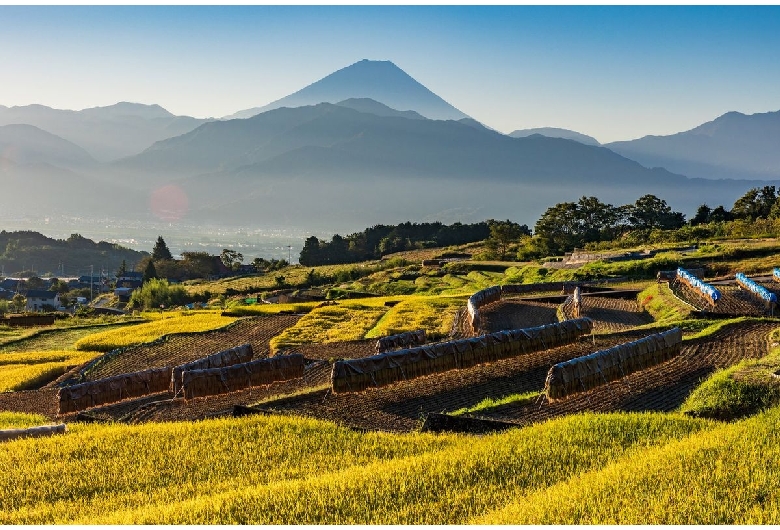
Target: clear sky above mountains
pixel 615 73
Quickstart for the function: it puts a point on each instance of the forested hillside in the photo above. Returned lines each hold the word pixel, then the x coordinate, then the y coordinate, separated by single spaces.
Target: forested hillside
pixel 28 251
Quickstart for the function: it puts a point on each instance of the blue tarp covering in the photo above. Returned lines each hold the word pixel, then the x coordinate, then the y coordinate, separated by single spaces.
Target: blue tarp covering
pixel 756 289
pixel 693 281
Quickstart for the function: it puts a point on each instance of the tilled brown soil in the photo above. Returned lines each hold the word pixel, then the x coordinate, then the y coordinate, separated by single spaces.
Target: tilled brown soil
pixel 180 349
pixel 517 314
pixel 31 402
pixel 337 350
pixel 734 301
pixel 401 406
pixel 611 315
pixel 660 388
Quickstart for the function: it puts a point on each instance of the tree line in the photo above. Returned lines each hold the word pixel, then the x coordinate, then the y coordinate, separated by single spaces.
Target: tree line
pixel 380 240
pixel 586 223
pixel 589 222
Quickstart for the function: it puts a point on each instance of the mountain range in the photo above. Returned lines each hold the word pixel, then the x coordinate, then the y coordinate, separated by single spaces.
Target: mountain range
pixel 554 132
pixel 106 133
pixel 367 144
pixel 732 146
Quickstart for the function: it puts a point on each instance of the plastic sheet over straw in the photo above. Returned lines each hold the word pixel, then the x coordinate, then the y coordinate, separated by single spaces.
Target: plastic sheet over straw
pixel 229 357
pixel 401 340
pixel 480 299
pixel 211 381
pixel 587 372
pixel 379 370
pixel 113 389
pixel 692 281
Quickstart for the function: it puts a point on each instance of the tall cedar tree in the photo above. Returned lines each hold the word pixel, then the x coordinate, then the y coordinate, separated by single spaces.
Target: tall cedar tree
pixel 161 251
pixel 150 271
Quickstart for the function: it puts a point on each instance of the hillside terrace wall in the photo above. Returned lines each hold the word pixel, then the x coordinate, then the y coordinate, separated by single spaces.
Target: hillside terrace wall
pixel 599 368
pixel 212 381
pixel 112 389
pixel 355 375
pixel 238 355
pixel 26 321
pixel 497 292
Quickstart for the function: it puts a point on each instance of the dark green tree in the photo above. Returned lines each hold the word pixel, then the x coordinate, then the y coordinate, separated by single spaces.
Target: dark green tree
pixel 122 269
pixel 650 212
pixel 161 251
pixel 558 229
pixel 150 273
pixel 756 203
pixel 702 215
pixel 503 233
pixel 231 259
pixel 720 214
pixel 310 253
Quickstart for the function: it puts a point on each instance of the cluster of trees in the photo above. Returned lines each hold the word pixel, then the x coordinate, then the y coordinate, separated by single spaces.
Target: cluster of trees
pixel 757 203
pixel 589 221
pixel 380 240
pixel 192 265
pixel 574 224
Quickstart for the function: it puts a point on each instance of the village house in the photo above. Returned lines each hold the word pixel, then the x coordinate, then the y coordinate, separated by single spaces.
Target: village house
pixel 40 300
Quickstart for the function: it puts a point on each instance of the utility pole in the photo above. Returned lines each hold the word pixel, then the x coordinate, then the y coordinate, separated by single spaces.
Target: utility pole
pixel 289 254
pixel 91 279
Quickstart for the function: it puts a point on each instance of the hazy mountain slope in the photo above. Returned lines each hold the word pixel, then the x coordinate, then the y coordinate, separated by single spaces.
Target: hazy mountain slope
pixel 381 81
pixel 107 133
pixel 26 144
pixel 41 189
pixel 326 164
pixel 382 144
pixel 374 107
pixel 554 132
pixel 734 145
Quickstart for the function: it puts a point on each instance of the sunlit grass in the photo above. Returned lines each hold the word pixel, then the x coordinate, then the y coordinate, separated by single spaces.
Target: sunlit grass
pixel 27 370
pixel 491 403
pixel 662 305
pixel 162 324
pixel 727 475
pixel 272 309
pixel 345 321
pixel 746 388
pixel 433 314
pixel 20 420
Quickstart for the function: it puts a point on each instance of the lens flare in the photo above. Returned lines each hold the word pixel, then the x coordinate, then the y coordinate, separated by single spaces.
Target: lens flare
pixel 169 203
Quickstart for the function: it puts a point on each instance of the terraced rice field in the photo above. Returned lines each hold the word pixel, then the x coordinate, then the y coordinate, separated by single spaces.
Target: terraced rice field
pixel 612 315
pixel 659 388
pixel 515 314
pixel 402 406
pixel 183 348
pixel 734 301
pixel 56 339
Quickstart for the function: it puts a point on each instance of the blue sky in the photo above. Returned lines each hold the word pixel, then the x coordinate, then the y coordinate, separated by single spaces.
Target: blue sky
pixel 612 72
